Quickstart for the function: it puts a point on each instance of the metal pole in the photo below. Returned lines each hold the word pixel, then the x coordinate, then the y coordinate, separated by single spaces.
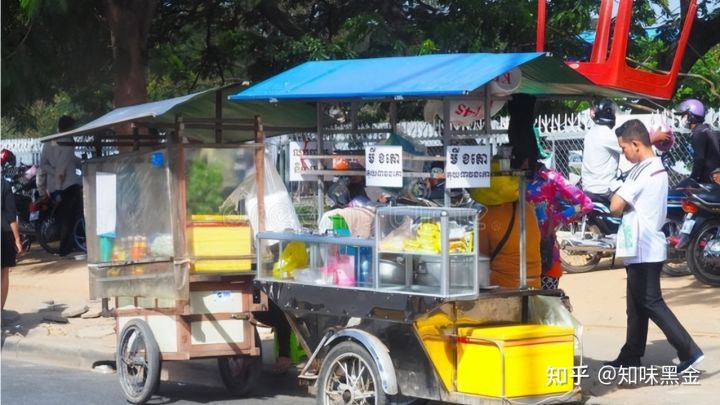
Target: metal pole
pixel 260 173
pixel 446 144
pixel 523 241
pixel 320 151
pixel 218 116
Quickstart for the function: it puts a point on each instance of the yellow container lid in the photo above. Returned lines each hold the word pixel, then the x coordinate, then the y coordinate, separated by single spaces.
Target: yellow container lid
pixel 218 218
pixel 515 332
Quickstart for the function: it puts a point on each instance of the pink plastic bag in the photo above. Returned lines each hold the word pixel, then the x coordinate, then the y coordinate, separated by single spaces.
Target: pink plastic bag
pixel 342 270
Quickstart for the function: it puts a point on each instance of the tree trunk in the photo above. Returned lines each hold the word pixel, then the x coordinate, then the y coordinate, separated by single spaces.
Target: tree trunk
pixel 129 22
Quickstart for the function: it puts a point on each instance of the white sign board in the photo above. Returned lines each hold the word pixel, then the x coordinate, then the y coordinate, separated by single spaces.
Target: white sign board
pixel 467 167
pixel 383 166
pixel 298 165
pixel 105 202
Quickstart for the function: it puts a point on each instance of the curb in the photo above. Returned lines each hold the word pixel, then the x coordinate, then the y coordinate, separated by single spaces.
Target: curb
pixel 55 351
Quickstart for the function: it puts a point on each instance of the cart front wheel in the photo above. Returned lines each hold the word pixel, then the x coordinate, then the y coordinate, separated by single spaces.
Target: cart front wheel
pixel 138 362
pixel 349 376
pixel 241 373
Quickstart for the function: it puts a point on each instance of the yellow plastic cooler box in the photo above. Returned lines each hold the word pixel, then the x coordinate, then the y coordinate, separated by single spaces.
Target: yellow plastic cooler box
pixel 538 360
pixel 213 237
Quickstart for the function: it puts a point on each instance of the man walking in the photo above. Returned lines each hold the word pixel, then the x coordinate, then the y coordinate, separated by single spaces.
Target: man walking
pixel 641 201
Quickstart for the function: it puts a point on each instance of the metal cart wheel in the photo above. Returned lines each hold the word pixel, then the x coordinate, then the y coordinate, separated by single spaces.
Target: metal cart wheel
pixel 241 373
pixel 138 362
pixel 349 375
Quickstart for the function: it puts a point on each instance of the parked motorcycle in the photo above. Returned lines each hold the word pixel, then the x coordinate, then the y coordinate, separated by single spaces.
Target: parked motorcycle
pixel 43 215
pixel 700 233
pixel 592 238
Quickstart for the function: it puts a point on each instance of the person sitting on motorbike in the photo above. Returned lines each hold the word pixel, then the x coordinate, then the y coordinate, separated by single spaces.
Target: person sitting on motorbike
pixel 8 160
pixel 705 142
pixel 601 152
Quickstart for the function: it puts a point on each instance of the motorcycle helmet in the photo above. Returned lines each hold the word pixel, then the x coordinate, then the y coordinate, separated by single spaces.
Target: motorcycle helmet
pixel 659 132
pixel 359 202
pixel 603 112
pixel 693 109
pixel 7 157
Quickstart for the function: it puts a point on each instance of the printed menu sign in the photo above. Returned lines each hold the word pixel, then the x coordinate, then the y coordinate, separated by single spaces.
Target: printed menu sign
pixel 467 167
pixel 298 165
pixel 383 166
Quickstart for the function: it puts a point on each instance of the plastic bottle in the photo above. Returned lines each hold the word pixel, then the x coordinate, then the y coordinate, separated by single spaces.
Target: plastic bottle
pixel 135 250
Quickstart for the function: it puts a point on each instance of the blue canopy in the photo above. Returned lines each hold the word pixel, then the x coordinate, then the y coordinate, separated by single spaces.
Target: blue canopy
pixel 426 76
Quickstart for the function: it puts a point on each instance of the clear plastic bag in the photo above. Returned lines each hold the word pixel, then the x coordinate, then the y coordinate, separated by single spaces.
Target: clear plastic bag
pixel 279 210
pixel 550 310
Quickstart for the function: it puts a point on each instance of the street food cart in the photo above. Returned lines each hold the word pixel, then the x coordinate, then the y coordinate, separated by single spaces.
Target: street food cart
pixel 409 312
pixel 177 262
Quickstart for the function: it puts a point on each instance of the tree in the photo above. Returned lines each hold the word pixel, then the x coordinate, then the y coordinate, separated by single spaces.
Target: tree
pixel 118 52
pixel 129 22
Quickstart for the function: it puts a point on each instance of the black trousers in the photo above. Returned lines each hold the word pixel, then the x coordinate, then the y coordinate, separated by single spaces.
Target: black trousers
pixel 645 302
pixel 67 214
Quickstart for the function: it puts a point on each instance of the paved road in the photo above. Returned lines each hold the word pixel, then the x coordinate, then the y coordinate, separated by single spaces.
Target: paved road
pixel 36 384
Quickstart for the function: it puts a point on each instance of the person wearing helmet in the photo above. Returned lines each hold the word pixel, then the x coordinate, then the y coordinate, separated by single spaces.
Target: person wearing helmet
pixel 705 142
pixel 601 152
pixel 8 158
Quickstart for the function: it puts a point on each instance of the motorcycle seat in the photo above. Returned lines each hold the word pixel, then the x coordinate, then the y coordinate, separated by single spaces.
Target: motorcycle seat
pixel 709 198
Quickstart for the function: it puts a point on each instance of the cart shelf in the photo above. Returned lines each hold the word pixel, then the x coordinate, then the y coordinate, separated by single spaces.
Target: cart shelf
pixel 146 260
pixel 134 277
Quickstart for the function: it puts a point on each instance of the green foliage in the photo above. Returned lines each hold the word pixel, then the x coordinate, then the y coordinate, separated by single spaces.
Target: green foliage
pixel 704 80
pixel 204 183
pixel 57 55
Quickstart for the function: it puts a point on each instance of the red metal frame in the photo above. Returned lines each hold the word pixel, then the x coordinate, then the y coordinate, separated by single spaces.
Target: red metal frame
pixel 607 65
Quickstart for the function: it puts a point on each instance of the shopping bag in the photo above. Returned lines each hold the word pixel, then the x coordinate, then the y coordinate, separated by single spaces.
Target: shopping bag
pixel 627 236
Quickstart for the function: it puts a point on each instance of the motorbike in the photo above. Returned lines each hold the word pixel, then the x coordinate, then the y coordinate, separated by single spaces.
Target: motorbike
pixel 43 216
pixel 593 237
pixel 700 233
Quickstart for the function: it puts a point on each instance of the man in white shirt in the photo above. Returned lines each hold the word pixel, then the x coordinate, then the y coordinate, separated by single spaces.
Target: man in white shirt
pixel 60 170
pixel 601 152
pixel 641 201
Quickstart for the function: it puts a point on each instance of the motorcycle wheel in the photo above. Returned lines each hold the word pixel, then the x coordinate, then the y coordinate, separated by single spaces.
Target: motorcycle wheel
pixel 48 235
pixel 581 262
pixel 676 264
pixel 79 234
pixel 703 253
pixel 26 243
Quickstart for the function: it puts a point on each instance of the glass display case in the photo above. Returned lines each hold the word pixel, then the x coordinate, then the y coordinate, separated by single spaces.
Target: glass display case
pixel 142 241
pixel 427 251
